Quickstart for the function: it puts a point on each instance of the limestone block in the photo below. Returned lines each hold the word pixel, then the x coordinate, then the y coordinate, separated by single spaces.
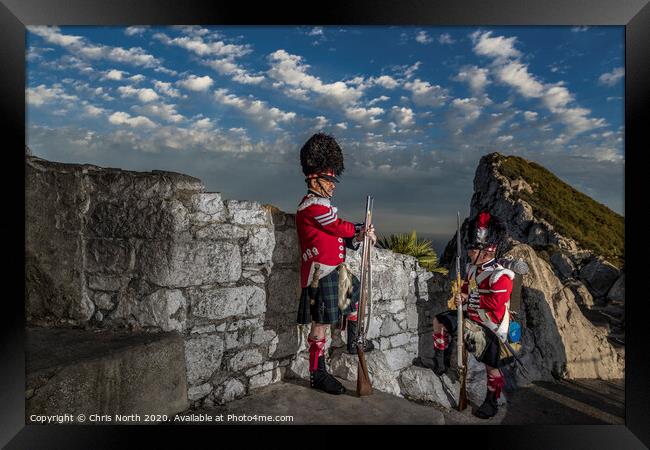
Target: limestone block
pixel 203 356
pixel 245 359
pixel 258 248
pixel 247 213
pixel 189 263
pixel 108 255
pixel 208 207
pixel 230 390
pixel 164 308
pixel 217 303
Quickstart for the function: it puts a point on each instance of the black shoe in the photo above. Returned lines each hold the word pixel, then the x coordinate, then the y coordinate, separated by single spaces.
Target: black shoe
pixel 440 361
pixel 321 379
pixel 489 407
pixel 352 344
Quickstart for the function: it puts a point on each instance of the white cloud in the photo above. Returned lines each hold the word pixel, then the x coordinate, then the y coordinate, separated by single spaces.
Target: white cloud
pixel 424 94
pixel 144 95
pixel 199 46
pixel 579 29
pixel 132 31
pixel 423 38
pixel 385 81
pixel 257 110
pixel 321 122
pixel 82 47
pixel 202 123
pixel 382 98
pixel 137 78
pixel 41 95
pixel 530 115
pixel 577 121
pixel 122 118
pixel 316 31
pixel 556 98
pixel 410 70
pixel 611 78
pixel 403 116
pixel 475 77
pixel 162 110
pixel 516 74
pixel 342 125
pixel 494 47
pixel 289 69
pixel 504 139
pixel 114 74
pixel 93 111
pixel 166 89
pixel 227 66
pixel 364 116
pixel 194 83
pixel 469 109
pixel 445 38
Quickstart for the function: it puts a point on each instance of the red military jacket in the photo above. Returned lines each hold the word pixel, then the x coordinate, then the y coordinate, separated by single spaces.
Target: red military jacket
pixel 489 300
pixel 322 235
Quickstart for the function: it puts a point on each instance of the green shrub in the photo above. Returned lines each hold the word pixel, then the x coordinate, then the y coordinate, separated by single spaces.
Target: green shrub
pixel 590 224
pixel 409 244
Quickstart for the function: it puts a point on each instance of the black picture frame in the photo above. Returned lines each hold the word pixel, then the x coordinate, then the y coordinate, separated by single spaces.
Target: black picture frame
pixel 633 14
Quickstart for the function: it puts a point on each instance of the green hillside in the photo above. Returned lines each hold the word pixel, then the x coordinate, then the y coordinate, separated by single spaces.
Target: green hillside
pixel 591 225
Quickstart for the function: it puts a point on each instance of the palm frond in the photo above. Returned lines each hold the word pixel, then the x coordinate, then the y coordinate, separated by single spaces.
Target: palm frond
pixel 409 244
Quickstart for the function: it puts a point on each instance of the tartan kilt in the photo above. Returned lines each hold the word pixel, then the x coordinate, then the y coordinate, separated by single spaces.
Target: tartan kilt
pixel 326 307
pixel 495 353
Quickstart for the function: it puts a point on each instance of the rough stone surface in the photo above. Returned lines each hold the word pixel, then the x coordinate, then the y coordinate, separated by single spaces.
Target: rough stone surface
pixel 164 308
pixel 617 291
pixel 203 356
pixel 563 264
pixel 558 341
pixel 599 276
pixel 221 303
pixel 104 373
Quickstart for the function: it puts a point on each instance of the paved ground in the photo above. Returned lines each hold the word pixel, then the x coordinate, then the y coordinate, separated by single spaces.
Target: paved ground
pixel 577 402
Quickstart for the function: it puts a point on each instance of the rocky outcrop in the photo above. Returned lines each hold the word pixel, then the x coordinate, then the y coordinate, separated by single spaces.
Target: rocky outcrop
pixel 558 341
pixel 588 275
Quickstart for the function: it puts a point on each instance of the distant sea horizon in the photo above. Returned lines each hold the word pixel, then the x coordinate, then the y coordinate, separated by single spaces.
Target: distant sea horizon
pixel 438 240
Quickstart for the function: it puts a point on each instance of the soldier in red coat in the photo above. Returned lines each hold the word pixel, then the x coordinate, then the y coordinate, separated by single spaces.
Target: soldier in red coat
pixel 485 294
pixel 324 239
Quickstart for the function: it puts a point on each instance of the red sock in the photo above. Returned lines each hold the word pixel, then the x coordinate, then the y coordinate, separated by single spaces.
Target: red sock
pixel 440 340
pixel 315 351
pixel 495 383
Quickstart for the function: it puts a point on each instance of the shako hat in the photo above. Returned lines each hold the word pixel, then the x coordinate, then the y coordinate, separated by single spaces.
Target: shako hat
pixel 321 157
pixel 485 232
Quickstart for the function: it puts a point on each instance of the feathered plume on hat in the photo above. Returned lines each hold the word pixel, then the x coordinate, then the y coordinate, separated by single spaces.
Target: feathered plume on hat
pixel 486 232
pixel 321 157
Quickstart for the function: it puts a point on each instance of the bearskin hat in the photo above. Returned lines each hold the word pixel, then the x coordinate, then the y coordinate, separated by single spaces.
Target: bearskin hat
pixel 321 157
pixel 485 232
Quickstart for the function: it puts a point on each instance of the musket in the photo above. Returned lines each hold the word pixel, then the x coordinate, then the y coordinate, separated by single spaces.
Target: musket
pixel 462 352
pixel 363 380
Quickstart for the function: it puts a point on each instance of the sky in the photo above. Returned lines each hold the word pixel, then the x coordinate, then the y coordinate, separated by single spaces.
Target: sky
pixel 413 108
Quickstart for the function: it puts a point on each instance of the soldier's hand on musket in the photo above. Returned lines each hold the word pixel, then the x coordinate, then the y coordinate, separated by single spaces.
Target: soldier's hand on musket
pixel 371 234
pixel 463 296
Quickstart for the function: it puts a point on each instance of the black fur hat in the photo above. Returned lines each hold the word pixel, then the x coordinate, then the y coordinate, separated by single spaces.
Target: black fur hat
pixel 485 232
pixel 321 157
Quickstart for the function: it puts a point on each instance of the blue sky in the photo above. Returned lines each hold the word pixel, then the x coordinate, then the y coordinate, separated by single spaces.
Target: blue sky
pixel 413 108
